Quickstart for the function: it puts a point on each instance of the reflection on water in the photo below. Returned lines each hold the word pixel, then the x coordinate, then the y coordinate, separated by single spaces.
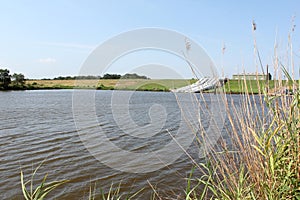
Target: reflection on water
pixel 38 126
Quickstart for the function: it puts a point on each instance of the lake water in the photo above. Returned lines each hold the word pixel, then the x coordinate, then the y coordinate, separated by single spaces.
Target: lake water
pixel 39 126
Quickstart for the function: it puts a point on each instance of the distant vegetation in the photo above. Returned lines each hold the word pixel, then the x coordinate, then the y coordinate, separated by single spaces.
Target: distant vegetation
pixel 106 82
pixel 74 77
pixel 133 76
pixel 11 82
pixel 105 76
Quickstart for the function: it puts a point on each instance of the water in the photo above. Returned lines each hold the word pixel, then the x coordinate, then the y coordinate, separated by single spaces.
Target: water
pixel 38 126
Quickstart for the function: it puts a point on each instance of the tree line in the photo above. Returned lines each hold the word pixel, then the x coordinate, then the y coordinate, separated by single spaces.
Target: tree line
pixel 8 81
pixel 105 76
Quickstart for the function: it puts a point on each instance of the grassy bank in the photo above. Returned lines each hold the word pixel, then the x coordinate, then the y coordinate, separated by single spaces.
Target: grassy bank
pixel 110 84
pixel 240 86
pixel 257 87
pixel 232 86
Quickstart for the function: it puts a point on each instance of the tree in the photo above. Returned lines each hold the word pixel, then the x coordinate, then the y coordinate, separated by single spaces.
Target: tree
pixel 18 79
pixel 111 76
pixel 5 78
pixel 133 76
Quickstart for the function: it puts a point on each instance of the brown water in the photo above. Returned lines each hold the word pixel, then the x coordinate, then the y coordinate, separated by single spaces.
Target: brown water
pixel 38 126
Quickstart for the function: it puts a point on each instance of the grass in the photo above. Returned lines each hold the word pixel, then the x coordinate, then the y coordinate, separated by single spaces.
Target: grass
pixel 42 190
pixel 254 86
pixel 108 84
pixel 68 83
pixel 114 193
pixel 261 163
pixel 240 86
pixel 261 157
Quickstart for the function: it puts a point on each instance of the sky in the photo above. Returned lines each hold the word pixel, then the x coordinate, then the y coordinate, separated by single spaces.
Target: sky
pixel 46 39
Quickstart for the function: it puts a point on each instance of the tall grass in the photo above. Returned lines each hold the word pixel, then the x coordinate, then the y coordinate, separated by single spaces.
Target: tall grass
pixel 261 158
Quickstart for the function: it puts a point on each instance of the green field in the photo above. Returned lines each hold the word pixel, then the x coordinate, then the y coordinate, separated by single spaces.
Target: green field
pixel 255 87
pixel 249 86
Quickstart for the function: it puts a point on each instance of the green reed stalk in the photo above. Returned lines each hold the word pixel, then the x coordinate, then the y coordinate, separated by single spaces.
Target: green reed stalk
pixel 42 190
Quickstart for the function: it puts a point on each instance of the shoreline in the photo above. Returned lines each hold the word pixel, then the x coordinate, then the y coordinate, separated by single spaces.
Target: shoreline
pixel 140 90
pixel 152 85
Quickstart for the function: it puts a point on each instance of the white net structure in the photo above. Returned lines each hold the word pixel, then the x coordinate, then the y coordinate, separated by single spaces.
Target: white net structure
pixel 202 85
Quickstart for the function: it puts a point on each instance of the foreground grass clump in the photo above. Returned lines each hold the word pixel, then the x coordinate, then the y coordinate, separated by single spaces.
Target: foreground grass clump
pixel 261 159
pixel 114 193
pixel 42 190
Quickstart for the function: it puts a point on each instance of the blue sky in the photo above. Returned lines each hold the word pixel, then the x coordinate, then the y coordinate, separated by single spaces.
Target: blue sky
pixel 50 38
